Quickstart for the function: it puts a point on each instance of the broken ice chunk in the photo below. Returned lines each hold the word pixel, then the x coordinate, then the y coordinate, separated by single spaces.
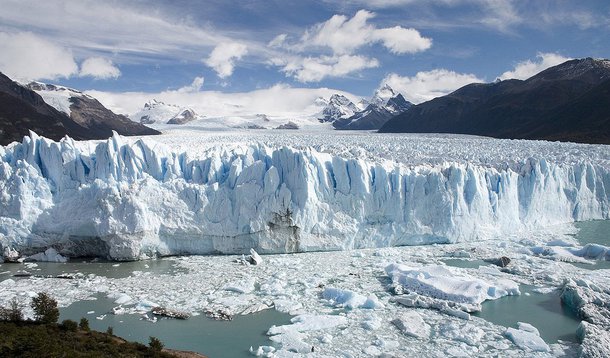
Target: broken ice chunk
pixel 527 338
pixel 412 324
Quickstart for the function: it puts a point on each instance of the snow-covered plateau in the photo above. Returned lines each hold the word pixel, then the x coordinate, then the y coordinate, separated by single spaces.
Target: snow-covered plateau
pixel 226 192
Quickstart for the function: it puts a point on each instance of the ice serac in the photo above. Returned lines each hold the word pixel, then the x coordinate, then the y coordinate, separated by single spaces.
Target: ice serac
pixel 127 199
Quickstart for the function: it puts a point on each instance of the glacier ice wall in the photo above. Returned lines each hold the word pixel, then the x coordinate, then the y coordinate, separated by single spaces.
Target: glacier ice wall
pixel 126 199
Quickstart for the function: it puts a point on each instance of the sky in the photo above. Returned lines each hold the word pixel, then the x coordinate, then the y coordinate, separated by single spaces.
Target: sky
pixel 242 51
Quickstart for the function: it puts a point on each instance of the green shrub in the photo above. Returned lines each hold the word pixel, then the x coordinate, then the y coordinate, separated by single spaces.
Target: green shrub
pixel 45 308
pixel 84 324
pixel 155 344
pixel 13 313
pixel 69 325
pixel 110 330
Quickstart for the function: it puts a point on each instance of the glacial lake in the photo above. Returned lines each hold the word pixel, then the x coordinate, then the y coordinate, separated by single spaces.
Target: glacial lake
pixel 553 320
pixel 543 311
pixel 213 338
pixel 593 232
pixel 233 338
pixel 199 333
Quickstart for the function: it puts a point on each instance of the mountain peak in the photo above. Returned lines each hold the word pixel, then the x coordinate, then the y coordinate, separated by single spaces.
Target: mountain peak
pixel 382 95
pixel 186 115
pixel 338 106
pixel 588 69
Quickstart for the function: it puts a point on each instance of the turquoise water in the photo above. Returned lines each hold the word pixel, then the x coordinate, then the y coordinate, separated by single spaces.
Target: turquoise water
pixel 543 311
pixel 465 263
pixel 593 232
pixel 108 269
pixel 199 333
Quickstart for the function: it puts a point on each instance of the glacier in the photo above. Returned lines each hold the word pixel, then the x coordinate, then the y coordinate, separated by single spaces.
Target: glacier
pixel 127 199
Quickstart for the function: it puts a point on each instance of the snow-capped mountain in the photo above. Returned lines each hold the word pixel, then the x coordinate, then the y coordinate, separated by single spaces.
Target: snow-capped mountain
pixel 372 117
pixel 56 96
pixel 369 114
pixel 87 111
pixel 155 112
pixel 185 116
pixel 382 95
pixel 338 106
pixel 158 112
pixel 397 104
pixel 56 111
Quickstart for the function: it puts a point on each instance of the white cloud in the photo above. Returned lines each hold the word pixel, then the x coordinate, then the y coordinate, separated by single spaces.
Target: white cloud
pixel 223 57
pixel 279 100
pixel 127 31
pixel 25 56
pixel 308 59
pixel 400 40
pixel 315 69
pixel 427 85
pixel 500 14
pixel 99 68
pixel 278 41
pixel 344 35
pixel 526 69
pixel 195 86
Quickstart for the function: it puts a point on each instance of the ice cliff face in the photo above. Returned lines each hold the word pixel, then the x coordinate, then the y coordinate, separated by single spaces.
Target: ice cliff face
pixel 126 199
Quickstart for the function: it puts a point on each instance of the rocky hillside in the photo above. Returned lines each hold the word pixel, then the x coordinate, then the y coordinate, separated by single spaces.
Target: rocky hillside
pixel 568 102
pixel 58 112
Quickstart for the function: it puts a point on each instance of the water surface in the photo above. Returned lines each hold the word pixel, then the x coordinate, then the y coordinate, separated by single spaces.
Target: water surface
pixel 553 320
pixel 199 333
pixel 593 232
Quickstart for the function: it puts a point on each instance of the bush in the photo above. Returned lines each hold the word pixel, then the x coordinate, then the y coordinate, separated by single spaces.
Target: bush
pixel 110 330
pixel 69 325
pixel 45 308
pixel 155 344
pixel 13 313
pixel 84 324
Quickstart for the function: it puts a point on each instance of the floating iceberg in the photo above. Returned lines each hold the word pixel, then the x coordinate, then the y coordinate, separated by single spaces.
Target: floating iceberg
pixel 127 199
pixel 438 282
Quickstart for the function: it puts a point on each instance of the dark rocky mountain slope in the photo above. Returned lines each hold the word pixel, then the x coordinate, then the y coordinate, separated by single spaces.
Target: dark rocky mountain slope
pixel 567 102
pixel 22 110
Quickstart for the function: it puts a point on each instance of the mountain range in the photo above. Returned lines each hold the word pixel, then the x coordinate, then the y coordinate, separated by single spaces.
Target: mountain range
pixel 567 102
pixel 367 114
pixel 56 111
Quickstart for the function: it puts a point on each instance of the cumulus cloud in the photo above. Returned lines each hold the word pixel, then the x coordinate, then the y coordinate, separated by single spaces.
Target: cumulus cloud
pixel 26 56
pixel 195 86
pixel 427 85
pixel 344 35
pixel 526 69
pixel 400 40
pixel 99 68
pixel 223 57
pixel 329 49
pixel 315 69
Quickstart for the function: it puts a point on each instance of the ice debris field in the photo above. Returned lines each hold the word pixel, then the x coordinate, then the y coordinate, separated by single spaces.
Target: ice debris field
pixel 371 197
